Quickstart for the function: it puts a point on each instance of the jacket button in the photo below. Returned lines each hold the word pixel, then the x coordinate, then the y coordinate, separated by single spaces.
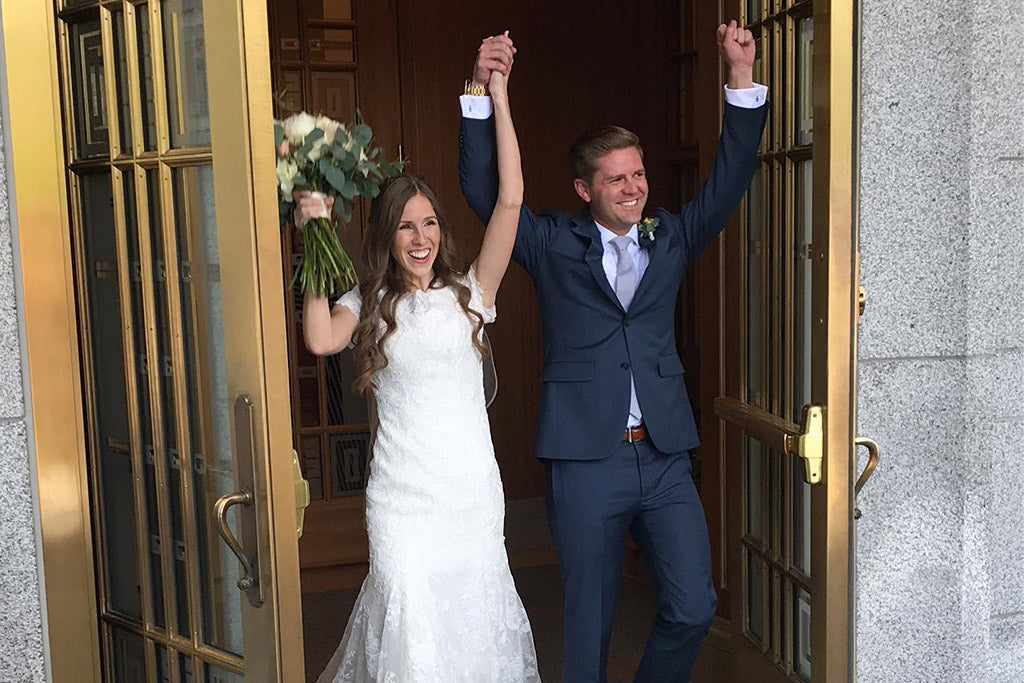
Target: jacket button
pixel 624 366
pixel 626 322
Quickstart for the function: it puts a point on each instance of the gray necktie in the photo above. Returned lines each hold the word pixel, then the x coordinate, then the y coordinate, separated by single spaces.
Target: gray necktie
pixel 625 271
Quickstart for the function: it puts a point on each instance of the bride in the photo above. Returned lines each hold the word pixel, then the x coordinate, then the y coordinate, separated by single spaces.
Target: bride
pixel 439 603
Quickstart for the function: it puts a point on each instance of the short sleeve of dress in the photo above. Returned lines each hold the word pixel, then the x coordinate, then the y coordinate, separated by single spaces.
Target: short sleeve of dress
pixel 352 300
pixel 476 300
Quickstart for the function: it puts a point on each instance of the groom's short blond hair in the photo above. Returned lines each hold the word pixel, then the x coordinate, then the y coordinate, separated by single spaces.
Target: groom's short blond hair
pixel 594 144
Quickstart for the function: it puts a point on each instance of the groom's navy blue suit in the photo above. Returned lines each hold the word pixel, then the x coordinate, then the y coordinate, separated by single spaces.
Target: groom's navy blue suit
pixel 600 487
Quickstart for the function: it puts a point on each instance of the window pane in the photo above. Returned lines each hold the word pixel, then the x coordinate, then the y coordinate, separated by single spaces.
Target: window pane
pixel 215 675
pixel 124 112
pixel 165 395
pixel 757 214
pixel 754 493
pixel 110 415
pixel 755 595
pixel 144 396
pixel 208 405
pixel 185 60
pixel 129 652
pixel 802 634
pixel 804 120
pixel 802 279
pixel 91 129
pixel 144 40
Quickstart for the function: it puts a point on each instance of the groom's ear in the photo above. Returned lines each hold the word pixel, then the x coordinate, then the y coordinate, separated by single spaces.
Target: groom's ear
pixel 582 189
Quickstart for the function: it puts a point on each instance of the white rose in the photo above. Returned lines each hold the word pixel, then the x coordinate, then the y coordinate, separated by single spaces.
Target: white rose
pixel 297 126
pixel 329 127
pixel 286 172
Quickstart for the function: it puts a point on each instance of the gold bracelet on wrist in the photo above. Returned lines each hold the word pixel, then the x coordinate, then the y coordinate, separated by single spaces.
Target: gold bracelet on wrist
pixel 474 89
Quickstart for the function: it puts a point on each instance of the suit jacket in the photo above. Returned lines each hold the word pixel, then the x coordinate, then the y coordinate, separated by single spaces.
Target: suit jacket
pixel 591 344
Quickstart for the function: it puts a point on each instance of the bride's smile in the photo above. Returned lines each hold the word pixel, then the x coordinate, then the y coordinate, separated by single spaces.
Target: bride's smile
pixel 415 245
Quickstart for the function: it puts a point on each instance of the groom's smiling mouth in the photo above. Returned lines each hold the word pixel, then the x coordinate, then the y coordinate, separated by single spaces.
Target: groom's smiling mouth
pixel 631 202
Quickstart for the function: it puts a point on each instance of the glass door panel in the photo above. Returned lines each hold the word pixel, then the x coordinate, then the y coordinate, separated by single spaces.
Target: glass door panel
pixel 793 340
pixel 165 224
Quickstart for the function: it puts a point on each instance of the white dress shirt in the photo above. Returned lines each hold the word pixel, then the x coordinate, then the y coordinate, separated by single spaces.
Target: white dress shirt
pixel 480 107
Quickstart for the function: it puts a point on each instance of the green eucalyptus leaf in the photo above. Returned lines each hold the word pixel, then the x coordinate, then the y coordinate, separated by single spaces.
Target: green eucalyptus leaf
pixel 362 134
pixel 278 134
pixel 310 140
pixel 348 162
pixel 336 178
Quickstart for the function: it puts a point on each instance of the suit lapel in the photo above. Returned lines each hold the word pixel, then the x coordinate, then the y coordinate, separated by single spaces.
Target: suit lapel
pixel 586 227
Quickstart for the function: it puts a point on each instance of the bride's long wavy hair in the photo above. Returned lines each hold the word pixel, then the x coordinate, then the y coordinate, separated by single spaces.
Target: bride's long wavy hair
pixel 382 282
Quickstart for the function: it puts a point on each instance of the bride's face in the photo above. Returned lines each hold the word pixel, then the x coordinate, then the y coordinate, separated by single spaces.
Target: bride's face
pixel 417 240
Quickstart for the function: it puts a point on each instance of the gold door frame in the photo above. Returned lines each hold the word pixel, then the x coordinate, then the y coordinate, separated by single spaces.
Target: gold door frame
pixel 39 204
pixel 55 408
pixel 834 347
pixel 833 333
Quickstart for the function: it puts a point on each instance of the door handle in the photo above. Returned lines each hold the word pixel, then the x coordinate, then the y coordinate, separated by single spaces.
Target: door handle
pixel 220 512
pixel 810 445
pixel 807 441
pixel 869 467
pixel 300 487
pixel 249 549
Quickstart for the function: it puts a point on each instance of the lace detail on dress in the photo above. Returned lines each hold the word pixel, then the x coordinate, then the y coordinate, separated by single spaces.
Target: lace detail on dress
pixel 439 604
pixel 476 301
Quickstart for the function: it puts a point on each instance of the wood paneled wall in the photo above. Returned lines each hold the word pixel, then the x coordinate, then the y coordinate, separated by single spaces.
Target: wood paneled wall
pixel 577 68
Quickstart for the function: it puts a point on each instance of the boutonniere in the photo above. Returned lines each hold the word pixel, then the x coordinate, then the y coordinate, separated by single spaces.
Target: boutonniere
pixel 647 226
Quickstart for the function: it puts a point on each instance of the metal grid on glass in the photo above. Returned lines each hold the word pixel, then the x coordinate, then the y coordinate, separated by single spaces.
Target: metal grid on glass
pixel 776 527
pixel 147 278
pixel 314 50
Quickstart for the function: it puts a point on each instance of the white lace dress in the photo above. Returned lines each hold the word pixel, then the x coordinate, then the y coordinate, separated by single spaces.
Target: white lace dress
pixel 439 603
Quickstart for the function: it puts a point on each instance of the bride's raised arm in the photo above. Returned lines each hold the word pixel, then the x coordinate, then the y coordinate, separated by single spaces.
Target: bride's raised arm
pixel 500 235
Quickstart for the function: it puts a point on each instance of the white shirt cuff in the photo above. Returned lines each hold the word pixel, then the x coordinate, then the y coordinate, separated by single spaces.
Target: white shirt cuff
pixel 476 106
pixel 748 98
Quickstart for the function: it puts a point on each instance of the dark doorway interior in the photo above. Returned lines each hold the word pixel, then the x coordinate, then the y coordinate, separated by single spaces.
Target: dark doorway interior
pixel 650 66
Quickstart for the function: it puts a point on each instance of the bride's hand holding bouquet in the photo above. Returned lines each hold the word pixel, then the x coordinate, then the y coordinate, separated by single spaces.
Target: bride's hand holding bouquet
pixel 320 160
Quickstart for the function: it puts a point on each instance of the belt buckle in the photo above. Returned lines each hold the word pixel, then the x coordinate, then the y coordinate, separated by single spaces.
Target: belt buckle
pixel 629 432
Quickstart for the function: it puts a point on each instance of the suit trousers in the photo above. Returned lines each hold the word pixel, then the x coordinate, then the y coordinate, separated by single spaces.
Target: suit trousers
pixel 591 505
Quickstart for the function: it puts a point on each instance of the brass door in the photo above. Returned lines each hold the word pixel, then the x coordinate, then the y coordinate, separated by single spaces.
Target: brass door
pixel 175 243
pixel 791 310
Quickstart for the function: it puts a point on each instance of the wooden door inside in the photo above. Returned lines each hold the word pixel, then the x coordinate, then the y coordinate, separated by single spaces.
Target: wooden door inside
pixel 333 57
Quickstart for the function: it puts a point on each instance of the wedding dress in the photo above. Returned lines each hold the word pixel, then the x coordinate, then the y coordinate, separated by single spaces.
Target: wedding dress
pixel 439 603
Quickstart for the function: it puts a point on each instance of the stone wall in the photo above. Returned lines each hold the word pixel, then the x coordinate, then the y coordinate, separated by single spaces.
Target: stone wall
pixel 940 556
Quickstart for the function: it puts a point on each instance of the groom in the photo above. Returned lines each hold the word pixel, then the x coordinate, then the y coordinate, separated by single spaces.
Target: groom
pixel 615 422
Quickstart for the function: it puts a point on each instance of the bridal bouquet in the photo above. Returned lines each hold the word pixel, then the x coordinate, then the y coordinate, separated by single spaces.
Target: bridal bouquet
pixel 329 159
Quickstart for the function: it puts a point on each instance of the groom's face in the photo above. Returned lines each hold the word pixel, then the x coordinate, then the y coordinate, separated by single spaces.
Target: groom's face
pixel 618 191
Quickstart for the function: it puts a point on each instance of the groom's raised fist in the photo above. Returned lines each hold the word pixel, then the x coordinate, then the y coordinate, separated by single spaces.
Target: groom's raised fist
pixel 736 45
pixel 495 54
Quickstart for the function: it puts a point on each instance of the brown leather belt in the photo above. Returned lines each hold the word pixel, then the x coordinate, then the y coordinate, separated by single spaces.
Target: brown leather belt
pixel 638 433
